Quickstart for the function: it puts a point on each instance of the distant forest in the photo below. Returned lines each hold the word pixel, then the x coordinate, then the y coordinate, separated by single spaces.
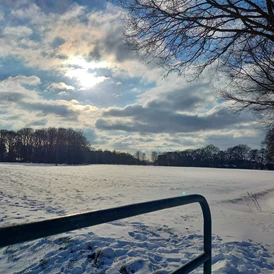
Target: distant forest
pixel 69 146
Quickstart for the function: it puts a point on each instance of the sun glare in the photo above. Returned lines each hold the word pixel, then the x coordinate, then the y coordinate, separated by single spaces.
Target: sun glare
pixel 85 79
pixel 81 62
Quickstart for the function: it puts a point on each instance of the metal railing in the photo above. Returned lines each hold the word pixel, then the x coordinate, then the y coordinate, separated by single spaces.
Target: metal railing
pixel 15 234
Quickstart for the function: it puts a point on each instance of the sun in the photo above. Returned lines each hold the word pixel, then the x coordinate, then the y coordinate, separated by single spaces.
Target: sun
pixel 82 75
pixel 85 79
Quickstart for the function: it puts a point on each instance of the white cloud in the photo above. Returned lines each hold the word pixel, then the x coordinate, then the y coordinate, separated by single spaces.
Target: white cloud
pixel 22 104
pixel 19 31
pixel 30 11
pixel 136 90
pixel 73 13
pixel 21 79
pixel 96 37
pixel 61 86
pixel 13 88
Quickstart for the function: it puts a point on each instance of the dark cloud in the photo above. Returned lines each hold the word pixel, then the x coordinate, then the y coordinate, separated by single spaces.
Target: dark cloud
pixel 182 141
pixel 96 54
pixel 11 96
pixel 230 140
pixel 190 97
pixel 129 111
pixel 112 44
pixel 41 122
pixel 160 121
pixel 185 109
pixel 46 108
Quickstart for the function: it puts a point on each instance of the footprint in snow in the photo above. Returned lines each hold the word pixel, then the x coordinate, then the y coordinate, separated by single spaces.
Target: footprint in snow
pixel 137 236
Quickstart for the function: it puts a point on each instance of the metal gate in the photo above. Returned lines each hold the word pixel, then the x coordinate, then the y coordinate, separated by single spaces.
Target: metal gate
pixel 15 234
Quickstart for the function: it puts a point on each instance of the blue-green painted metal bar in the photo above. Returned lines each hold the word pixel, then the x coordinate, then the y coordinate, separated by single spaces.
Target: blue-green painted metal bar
pixel 191 265
pixel 15 234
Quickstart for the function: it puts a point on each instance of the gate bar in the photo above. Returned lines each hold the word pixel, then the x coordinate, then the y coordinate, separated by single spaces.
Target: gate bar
pixel 15 234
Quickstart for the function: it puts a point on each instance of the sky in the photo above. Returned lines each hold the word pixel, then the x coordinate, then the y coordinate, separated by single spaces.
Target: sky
pixel 65 64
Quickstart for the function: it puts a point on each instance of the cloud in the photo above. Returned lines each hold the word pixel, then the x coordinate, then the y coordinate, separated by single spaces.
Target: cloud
pixel 65 48
pixel 52 41
pixel 17 93
pixel 13 89
pixel 61 6
pixel 46 108
pixel 38 123
pixel 52 30
pixel 21 80
pixel 19 31
pixel 172 107
pixel 112 43
pixel 22 9
pixel 183 98
pixel 161 121
pixel 23 106
pixel 61 86
pixel 234 138
pixel 74 12
pixel 11 96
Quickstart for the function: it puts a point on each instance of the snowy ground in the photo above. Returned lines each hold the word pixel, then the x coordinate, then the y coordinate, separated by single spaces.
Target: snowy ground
pixel 241 201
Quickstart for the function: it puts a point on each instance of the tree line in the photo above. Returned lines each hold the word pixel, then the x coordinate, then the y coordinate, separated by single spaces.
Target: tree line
pixel 240 156
pixel 43 145
pixel 69 146
pixel 57 146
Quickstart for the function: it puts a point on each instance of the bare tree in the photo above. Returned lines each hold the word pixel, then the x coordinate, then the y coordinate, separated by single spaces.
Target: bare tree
pixel 138 155
pixel 11 145
pixel 253 88
pixel 269 141
pixel 143 156
pixel 25 143
pixel 233 37
pixel 154 157
pixel 3 140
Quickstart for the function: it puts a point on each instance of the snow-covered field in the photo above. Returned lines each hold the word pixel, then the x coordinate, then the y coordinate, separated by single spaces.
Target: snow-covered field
pixel 241 201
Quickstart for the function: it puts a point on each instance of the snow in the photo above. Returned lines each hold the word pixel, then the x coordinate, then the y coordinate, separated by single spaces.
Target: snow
pixel 241 202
